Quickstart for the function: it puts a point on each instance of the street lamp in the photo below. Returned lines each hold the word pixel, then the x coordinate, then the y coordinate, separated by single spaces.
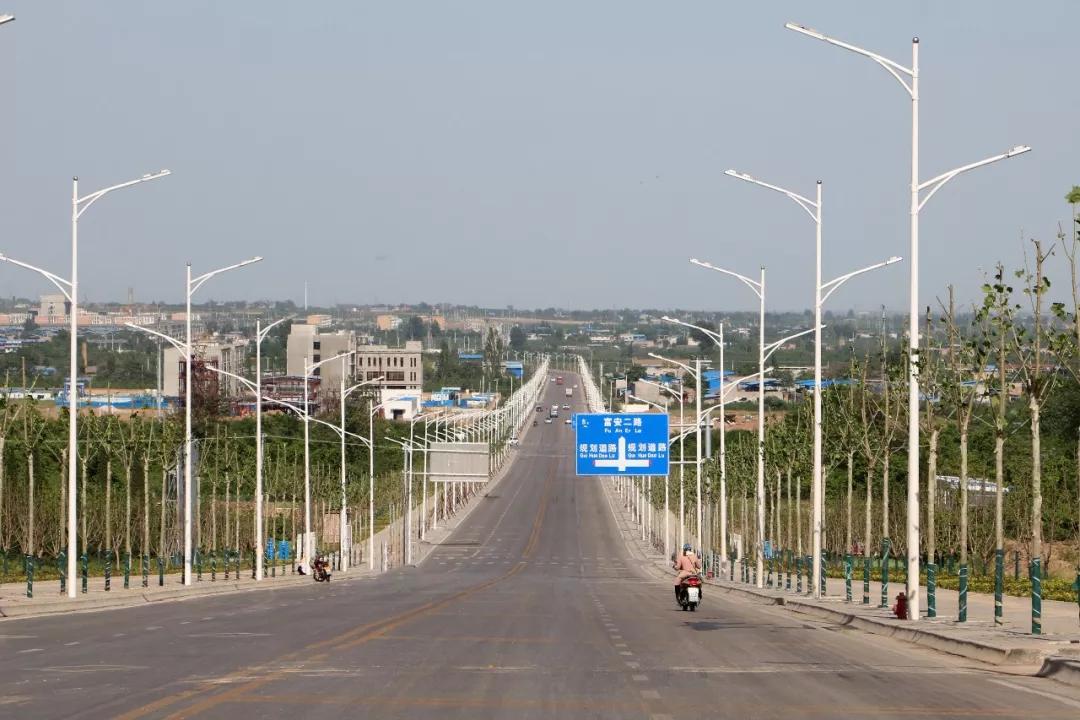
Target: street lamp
pixel 345 392
pixel 372 409
pixel 309 368
pixel 899 72
pixel 256 388
pixel 5 19
pixel 70 290
pixel 682 464
pixel 718 338
pixel 764 352
pixel 814 209
pixel 697 463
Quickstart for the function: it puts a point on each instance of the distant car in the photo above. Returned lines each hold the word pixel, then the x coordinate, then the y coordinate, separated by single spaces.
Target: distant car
pixel 569 422
pixel 547 421
pixel 513 441
pixel 565 407
pixel 539 408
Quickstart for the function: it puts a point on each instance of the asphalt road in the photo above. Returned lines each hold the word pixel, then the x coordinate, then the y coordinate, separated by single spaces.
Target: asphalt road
pixel 533 609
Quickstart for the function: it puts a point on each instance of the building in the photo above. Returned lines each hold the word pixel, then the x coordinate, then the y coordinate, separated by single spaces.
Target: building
pixel 307 344
pixel 402 369
pixel 228 356
pixel 53 309
pixel 387 322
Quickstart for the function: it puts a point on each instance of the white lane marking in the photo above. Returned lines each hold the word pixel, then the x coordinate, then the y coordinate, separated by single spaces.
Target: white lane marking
pixel 1040 692
pixel 153 627
pixel 625 652
pixel 633 665
pixel 17 637
pixel 641 678
pixel 31 650
pixel 650 694
pixel 228 635
pixel 73 642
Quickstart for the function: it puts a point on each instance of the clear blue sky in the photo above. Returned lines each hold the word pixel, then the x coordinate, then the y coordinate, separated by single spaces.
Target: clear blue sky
pixel 534 154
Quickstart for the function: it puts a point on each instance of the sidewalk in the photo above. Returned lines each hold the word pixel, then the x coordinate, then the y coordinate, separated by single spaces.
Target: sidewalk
pixel 1056 652
pixel 48 600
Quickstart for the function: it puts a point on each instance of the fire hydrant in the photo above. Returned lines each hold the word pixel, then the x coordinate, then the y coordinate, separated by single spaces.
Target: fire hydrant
pixel 900 609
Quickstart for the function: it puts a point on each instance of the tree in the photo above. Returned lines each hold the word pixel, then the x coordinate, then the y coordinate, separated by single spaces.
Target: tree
pixel 965 359
pixel 1068 345
pixel 415 329
pixel 517 338
pixel 1029 347
pixel 996 319
pixel 493 352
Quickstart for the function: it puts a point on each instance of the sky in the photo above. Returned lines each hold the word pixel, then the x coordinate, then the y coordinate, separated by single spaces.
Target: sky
pixel 500 153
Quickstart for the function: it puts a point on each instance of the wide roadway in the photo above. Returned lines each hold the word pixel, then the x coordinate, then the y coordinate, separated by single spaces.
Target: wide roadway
pixel 534 608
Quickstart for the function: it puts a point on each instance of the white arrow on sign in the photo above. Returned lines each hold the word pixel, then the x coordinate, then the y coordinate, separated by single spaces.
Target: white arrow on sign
pixel 622 462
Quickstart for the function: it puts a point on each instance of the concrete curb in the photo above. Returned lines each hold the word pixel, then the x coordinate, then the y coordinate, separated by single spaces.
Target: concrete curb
pixel 138 598
pixel 1064 670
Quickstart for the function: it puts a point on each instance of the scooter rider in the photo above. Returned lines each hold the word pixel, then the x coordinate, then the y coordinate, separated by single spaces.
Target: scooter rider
pixel 685 565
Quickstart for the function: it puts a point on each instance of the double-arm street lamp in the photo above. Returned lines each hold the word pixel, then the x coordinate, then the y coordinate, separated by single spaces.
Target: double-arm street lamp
pixel 344 393
pixel 695 372
pixel 822 291
pixel 309 368
pixel 255 387
pixel 908 77
pixel 70 290
pixel 765 351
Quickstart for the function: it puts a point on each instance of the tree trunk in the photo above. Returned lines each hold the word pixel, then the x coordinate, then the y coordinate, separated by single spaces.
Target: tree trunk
pixel 30 506
pixel 127 507
pixel 850 492
pixel 228 498
pixel 963 493
pixel 999 491
pixel 869 511
pixel 885 496
pixel 162 552
pixel 108 506
pixel 790 536
pixel 931 497
pixel 776 514
pixel 61 518
pixel 3 545
pixel 798 516
pixel 82 501
pixel 145 545
pixel 1036 478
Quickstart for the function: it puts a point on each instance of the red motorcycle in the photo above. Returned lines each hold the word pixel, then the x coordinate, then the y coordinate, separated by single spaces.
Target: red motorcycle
pixel 689 595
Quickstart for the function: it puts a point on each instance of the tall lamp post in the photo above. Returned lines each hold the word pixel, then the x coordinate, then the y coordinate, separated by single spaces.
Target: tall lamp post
pixel 696 373
pixel 344 393
pixel 309 368
pixel 718 339
pixel 764 352
pixel 70 290
pixel 911 86
pixel 372 409
pixel 256 388
pixel 813 208
pixel 193 284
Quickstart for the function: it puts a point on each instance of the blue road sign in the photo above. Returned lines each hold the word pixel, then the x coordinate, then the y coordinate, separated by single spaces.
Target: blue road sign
pixel 621 443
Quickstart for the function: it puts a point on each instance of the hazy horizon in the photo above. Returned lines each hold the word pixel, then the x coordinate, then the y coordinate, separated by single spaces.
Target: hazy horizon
pixel 384 154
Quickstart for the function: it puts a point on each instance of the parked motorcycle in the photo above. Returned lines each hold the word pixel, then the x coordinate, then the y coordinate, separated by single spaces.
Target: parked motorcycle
pixel 320 570
pixel 689 596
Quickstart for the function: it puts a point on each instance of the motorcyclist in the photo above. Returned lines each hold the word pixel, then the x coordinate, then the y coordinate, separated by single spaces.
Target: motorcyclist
pixel 685 565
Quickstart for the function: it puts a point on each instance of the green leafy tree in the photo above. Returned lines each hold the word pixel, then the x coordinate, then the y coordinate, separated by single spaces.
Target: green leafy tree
pixel 517 338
